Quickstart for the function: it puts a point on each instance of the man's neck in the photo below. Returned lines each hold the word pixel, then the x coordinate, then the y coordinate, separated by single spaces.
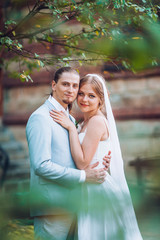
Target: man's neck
pixel 65 106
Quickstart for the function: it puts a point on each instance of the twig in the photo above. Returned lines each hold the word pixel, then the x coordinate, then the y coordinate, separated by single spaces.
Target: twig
pixel 28 16
pixel 28 6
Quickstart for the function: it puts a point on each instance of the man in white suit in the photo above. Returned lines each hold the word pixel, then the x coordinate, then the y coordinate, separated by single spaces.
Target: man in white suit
pixel 54 177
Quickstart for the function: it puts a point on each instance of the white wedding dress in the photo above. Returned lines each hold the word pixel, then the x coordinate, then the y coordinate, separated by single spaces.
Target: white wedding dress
pixel 103 214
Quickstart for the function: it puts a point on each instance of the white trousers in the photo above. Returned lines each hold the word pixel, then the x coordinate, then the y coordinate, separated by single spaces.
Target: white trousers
pixel 52 227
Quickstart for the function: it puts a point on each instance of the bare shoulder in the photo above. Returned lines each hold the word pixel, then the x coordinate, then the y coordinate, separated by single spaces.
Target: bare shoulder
pixel 97 119
pixel 96 122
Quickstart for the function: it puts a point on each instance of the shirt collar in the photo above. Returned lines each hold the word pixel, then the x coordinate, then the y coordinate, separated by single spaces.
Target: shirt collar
pixel 57 105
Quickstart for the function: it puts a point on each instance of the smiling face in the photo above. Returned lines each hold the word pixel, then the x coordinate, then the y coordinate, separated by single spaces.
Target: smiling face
pixel 88 100
pixel 66 89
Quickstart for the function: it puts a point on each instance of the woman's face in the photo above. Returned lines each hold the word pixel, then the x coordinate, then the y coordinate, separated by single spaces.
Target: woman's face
pixel 87 99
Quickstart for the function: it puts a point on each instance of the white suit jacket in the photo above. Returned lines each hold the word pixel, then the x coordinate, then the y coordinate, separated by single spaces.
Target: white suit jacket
pixel 52 170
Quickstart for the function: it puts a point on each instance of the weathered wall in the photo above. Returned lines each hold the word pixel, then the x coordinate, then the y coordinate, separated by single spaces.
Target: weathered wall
pixel 136 93
pixel 24 100
pixel 131 94
pixel 138 137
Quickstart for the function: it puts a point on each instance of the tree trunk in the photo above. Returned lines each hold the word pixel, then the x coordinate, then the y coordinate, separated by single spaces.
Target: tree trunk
pixel 1 71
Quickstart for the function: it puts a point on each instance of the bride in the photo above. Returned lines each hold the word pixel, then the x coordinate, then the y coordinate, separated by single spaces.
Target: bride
pixel 106 212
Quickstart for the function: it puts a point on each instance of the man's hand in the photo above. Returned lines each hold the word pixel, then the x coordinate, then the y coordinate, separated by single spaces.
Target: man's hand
pixel 106 160
pixel 95 175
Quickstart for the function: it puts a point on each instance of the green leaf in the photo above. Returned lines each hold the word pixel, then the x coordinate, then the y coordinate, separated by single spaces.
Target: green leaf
pixel 83 55
pixel 8 22
pixel 66 17
pixel 36 55
pixel 29 77
pixel 41 63
pixel 80 62
pixel 125 64
pixel 49 39
pixel 65 59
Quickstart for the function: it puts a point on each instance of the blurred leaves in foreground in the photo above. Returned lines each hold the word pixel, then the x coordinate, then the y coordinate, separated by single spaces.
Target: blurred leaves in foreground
pixel 18 230
pixel 136 50
pixel 16 224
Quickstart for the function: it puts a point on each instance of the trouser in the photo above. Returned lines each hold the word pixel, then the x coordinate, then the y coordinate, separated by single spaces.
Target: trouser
pixel 56 227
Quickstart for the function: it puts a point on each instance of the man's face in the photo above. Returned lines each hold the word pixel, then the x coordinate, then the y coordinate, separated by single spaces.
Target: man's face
pixel 66 89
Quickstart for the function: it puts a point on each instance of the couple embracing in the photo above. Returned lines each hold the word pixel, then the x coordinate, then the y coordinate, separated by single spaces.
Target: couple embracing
pixel 70 173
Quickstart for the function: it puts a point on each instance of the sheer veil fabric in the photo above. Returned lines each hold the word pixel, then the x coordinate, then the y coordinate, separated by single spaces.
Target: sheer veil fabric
pixel 117 167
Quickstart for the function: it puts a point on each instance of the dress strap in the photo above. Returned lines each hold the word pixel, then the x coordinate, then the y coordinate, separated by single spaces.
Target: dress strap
pixel 107 126
pixel 80 126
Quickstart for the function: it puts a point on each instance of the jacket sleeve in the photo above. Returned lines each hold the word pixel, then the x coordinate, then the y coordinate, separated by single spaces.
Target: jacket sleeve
pixel 38 132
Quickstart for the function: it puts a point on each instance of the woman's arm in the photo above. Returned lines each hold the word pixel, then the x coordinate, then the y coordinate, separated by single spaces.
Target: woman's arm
pixel 82 154
pixel 96 128
pixel 75 146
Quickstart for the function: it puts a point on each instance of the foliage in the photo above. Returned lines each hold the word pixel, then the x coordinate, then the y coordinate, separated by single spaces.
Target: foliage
pixel 15 223
pixel 17 230
pixel 123 31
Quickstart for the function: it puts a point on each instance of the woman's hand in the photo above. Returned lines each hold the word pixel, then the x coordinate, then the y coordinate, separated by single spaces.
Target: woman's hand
pixel 106 161
pixel 62 119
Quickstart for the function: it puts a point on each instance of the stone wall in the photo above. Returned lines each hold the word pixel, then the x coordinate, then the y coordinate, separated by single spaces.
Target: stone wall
pixel 23 100
pixel 138 137
pixel 129 94
pixel 135 93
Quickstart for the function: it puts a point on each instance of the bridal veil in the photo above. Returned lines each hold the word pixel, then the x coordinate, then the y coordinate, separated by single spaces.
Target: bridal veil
pixel 117 166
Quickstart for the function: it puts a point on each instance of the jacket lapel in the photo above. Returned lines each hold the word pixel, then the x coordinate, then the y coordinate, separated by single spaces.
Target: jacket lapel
pixel 51 106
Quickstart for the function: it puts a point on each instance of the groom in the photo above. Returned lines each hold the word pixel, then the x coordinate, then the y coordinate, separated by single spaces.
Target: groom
pixel 54 176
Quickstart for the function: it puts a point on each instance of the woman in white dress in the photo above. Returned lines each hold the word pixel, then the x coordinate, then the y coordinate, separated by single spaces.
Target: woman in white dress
pixel 106 209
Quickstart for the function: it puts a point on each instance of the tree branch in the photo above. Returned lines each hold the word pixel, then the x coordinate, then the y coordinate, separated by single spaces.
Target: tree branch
pixel 41 30
pixel 49 60
pixel 69 46
pixel 36 8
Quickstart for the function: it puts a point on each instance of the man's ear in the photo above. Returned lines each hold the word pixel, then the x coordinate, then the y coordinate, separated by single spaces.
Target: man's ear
pixel 53 86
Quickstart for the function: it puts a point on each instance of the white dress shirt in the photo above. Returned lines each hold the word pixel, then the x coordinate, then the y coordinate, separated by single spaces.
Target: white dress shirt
pixel 59 107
